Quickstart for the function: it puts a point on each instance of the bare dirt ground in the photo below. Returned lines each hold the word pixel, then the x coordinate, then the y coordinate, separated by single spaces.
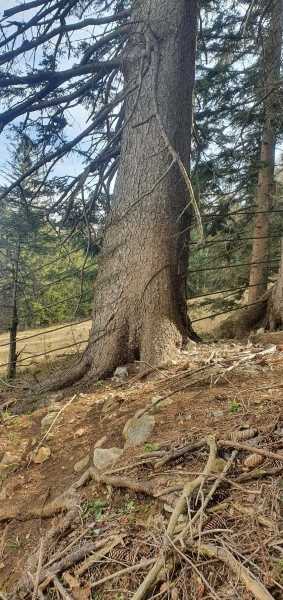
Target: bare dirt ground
pixel 232 545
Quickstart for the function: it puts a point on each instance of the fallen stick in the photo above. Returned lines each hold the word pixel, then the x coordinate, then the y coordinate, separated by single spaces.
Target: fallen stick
pixel 260 451
pixel 176 453
pixel 38 570
pixel 58 585
pixel 252 584
pixel 258 473
pixel 194 567
pixel 141 565
pixel 188 490
pixel 65 563
pixel 24 584
pixel 210 494
pixel 99 554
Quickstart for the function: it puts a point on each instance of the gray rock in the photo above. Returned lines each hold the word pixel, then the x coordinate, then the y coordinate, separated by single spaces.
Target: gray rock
pixel 10 459
pixel 217 413
pixel 138 430
pixel 104 457
pixel 48 420
pixel 121 373
pixel 54 407
pixel 82 464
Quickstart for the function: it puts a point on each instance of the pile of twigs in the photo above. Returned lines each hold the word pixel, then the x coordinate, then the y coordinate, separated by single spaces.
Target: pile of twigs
pixel 222 539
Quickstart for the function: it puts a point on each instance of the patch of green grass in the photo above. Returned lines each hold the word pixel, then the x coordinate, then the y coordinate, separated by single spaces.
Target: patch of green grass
pixel 129 507
pixel 95 508
pixel 234 407
pixel 150 447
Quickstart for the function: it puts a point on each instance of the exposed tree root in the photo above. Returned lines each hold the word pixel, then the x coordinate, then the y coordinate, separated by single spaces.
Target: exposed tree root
pixel 58 505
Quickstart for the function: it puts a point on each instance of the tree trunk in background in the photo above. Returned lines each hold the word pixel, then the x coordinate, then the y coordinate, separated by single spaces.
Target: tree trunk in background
pixel 12 362
pixel 265 187
pixel 275 302
pixel 140 309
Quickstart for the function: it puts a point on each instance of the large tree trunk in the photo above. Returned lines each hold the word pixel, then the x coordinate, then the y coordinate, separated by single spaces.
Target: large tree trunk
pixel 265 187
pixel 266 313
pixel 140 307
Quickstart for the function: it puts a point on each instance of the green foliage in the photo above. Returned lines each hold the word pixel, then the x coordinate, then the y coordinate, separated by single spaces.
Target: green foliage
pixel 151 447
pixel 234 407
pixel 128 508
pixel 94 508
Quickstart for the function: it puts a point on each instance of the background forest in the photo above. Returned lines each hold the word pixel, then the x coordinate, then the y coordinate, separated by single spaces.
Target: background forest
pixel 49 248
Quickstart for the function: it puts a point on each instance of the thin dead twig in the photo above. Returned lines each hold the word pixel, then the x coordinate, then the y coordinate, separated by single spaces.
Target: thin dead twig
pixel 38 570
pixel 3 539
pixel 138 567
pixel 61 589
pixel 195 568
pixel 252 584
pixel 94 558
pixel 260 451
pixel 62 565
pixel 259 473
pixel 188 489
pixel 176 453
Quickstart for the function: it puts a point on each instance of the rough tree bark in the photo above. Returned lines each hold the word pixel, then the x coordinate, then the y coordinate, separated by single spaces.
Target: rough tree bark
pixel 274 313
pixel 265 186
pixel 140 307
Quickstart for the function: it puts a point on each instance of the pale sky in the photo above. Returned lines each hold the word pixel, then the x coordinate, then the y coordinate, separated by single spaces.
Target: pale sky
pixel 76 119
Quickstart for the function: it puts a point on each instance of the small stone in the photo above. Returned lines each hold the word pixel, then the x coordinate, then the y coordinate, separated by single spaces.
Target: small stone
pixel 138 430
pixel 80 432
pixel 3 494
pixel 10 459
pixel 47 421
pixel 41 455
pixel 54 407
pixel 217 413
pixel 121 373
pixel 81 464
pixel 104 457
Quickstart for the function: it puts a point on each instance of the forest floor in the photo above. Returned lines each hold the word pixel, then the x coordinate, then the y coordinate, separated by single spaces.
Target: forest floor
pixel 70 530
